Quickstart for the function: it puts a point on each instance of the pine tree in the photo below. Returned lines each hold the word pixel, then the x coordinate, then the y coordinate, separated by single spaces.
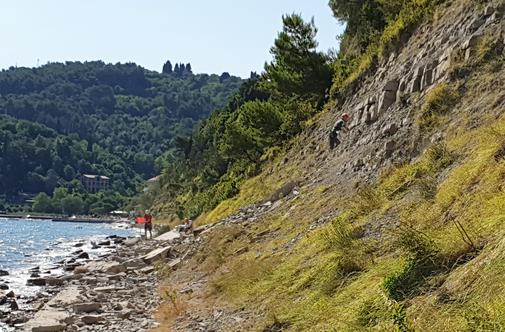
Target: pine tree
pixel 298 69
pixel 188 68
pixel 167 68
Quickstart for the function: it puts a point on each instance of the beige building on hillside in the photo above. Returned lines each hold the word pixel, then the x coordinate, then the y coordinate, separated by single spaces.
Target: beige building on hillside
pixel 95 183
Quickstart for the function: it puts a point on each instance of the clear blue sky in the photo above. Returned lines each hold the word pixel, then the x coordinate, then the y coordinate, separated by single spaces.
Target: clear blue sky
pixel 215 36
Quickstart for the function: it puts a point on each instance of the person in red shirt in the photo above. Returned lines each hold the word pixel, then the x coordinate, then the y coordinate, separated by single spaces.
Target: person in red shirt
pixel 148 223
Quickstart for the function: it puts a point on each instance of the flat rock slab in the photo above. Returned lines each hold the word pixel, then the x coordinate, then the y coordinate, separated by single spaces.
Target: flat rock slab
pixel 67 297
pixel 169 236
pixel 105 267
pixel 107 289
pixel 132 241
pixel 156 255
pixel 48 321
pixel 147 269
pixel 175 263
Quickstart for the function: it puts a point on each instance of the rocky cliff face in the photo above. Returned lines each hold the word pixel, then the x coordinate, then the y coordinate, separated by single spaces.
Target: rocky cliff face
pixel 326 248
pixel 384 105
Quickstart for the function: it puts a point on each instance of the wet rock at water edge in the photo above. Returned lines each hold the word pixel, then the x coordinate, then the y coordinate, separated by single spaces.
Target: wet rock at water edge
pixel 36 282
pixel 51 281
pixel 83 255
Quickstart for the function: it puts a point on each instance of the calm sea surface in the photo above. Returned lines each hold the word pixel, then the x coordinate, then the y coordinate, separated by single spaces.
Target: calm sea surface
pixel 25 244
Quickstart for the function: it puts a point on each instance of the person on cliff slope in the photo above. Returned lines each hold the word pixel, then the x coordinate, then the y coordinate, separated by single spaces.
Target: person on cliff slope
pixel 340 125
pixel 148 224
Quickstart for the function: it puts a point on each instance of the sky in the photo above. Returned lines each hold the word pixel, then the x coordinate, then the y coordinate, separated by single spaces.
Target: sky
pixel 214 36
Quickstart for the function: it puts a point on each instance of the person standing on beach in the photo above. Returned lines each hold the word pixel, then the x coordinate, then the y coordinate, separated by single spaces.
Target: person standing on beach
pixel 148 223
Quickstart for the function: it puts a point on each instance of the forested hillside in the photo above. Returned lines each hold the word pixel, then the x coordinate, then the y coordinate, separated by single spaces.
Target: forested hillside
pixel 61 120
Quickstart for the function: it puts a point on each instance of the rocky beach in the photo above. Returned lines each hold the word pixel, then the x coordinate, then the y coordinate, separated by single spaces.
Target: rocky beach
pixel 117 291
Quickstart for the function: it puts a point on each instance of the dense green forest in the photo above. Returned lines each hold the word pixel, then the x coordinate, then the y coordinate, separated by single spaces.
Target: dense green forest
pixel 61 120
pixel 271 108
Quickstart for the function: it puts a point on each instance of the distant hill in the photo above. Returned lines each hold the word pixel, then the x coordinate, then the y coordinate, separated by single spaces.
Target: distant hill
pixel 119 120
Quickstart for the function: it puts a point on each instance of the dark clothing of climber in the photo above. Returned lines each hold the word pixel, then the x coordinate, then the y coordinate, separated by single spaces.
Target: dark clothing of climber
pixel 340 125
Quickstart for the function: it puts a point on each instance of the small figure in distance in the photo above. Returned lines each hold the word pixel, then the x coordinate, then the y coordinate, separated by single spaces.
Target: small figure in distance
pixel 148 223
pixel 340 125
pixel 187 226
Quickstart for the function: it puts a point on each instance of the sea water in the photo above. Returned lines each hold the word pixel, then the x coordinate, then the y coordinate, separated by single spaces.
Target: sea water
pixel 26 244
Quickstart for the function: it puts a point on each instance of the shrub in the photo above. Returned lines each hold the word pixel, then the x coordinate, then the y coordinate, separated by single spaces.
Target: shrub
pixel 421 261
pixel 339 272
pixel 367 200
pixel 378 309
pixel 338 235
pixel 438 101
pixel 351 253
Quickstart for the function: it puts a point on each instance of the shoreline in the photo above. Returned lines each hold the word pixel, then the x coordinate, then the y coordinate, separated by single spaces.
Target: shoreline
pixel 117 291
pixel 83 219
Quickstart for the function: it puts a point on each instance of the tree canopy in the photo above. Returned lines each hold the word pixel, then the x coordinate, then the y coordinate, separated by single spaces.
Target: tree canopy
pixel 61 120
pixel 267 111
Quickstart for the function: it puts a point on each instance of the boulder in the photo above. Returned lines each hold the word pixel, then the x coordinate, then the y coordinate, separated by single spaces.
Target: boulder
pixel 135 263
pixel 389 147
pixel 387 98
pixel 14 305
pixel 71 267
pixel 92 319
pixel 373 112
pixel 105 267
pixel 402 87
pixel 51 281
pixel 156 254
pixel 3 273
pixel 87 307
pixel 131 241
pixel 427 78
pixel 390 129
pixel 4 287
pixel 125 314
pixel 83 255
pixel 36 282
pixel 81 270
pixel 391 85
pixel 415 84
